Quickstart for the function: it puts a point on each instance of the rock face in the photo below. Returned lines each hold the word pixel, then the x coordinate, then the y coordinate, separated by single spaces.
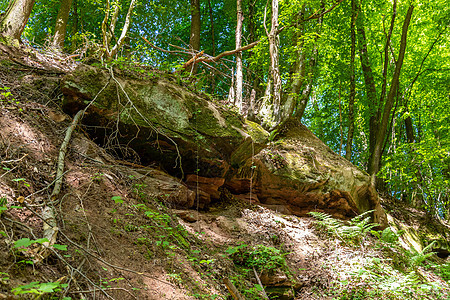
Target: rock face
pixel 159 119
pixel 298 173
pixel 210 147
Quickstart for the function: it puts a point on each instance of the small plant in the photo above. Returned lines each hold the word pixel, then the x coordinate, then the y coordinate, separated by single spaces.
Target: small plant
pixel 3 206
pixel 260 257
pixel 21 182
pixel 417 258
pixel 97 177
pixel 38 288
pixel 444 271
pixel 4 278
pixel 353 230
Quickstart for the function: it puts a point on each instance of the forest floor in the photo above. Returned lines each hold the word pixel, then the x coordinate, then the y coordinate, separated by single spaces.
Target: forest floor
pixel 115 241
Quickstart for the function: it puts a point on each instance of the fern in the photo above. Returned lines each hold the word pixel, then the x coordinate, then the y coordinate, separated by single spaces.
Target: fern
pixel 418 258
pixel 355 229
pixel 327 222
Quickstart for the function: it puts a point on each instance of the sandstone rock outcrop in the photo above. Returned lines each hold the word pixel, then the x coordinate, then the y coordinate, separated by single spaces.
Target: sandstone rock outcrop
pixel 209 146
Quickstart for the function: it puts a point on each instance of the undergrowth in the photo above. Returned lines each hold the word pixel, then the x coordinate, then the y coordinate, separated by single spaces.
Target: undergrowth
pixel 389 271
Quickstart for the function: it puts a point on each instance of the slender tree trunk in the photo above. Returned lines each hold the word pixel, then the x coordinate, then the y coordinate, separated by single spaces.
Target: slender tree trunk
pixel 213 46
pixel 15 18
pixel 270 109
pixel 253 76
pixel 375 159
pixel 351 100
pixel 239 75
pixel 61 24
pixel 368 76
pixel 386 57
pixel 274 43
pixel 74 45
pixel 108 30
pixel 303 101
pixel 194 38
pixel 297 69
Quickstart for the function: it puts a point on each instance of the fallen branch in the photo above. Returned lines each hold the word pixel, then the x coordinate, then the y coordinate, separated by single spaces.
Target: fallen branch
pixel 192 60
pixel 260 284
pixel 48 214
pixel 233 290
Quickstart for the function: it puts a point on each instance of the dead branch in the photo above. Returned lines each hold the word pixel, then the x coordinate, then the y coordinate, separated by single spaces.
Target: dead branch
pixel 260 284
pixel 233 290
pixel 48 214
pixel 164 50
pixel 227 53
pixel 192 60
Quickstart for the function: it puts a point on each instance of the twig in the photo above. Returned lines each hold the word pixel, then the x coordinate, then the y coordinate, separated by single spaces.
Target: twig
pixel 259 282
pixel 14 160
pixel 164 50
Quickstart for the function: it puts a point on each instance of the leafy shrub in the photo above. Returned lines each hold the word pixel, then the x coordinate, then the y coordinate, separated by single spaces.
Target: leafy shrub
pixel 260 257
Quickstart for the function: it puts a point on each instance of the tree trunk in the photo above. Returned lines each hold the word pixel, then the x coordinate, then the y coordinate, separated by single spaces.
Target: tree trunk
pixel 14 19
pixel 61 24
pixel 269 112
pixel 386 57
pixel 351 100
pixel 303 101
pixel 274 43
pixel 239 75
pixel 253 76
pixel 297 70
pixel 75 19
pixel 375 159
pixel 194 37
pixel 368 76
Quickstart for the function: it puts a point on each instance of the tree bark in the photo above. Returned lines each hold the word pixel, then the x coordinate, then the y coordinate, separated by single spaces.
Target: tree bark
pixel 253 76
pixel 194 37
pixel 239 75
pixel 274 43
pixel 297 69
pixel 375 159
pixel 61 24
pixel 14 19
pixel 369 80
pixel 351 100
pixel 386 57
pixel 75 19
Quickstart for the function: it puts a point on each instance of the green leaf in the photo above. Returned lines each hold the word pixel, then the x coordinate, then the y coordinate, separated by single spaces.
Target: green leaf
pixel 48 287
pixel 23 243
pixel 41 241
pixel 60 247
pixel 117 199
